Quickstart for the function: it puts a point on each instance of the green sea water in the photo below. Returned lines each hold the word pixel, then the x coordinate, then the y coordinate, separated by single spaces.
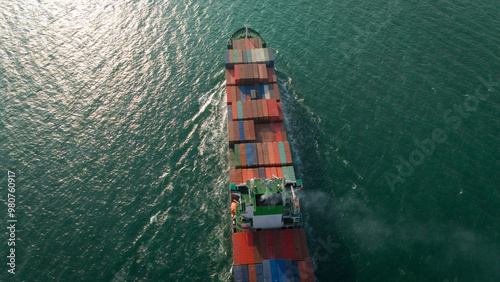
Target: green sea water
pixel 112 112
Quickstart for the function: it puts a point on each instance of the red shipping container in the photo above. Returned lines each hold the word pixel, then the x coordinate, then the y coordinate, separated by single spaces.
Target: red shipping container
pixel 271 135
pixel 272 108
pixel 257 247
pixel 303 272
pixel 309 270
pixel 234 107
pixel 252 275
pixel 277 244
pixel 249 174
pixel 280 172
pixel 256 173
pixel 274 172
pixel 271 75
pixel 288 153
pixel 276 150
pixel 270 245
pixel 276 91
pixel 283 245
pixel 280 112
pixel 283 132
pixel 244 175
pixel 253 43
pixel 240 56
pixel 237 73
pixel 251 131
pixel 289 244
pixel 239 175
pixel 248 247
pixel 270 149
pixel 243 157
pixel 303 243
pixel 268 173
pixel 236 249
pixel 277 132
pixel 296 244
pixel 232 176
pixel 243 250
pixel 258 104
pixel 263 73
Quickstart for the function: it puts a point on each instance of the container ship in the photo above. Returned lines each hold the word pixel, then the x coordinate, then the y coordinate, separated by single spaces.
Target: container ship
pixel 268 241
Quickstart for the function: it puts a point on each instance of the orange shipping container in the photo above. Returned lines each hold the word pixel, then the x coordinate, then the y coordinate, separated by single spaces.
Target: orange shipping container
pixel 251 131
pixel 243 157
pixel 274 172
pixel 255 173
pixel 264 109
pixel 280 172
pixel 255 111
pixel 276 150
pixel 235 111
pixel 228 94
pixel 268 172
pixel 270 149
pixel 276 91
pixel 252 277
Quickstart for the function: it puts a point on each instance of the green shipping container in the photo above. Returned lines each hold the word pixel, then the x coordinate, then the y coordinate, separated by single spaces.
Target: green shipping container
pixel 235 56
pixel 289 173
pixel 282 153
pixel 237 158
pixel 240 109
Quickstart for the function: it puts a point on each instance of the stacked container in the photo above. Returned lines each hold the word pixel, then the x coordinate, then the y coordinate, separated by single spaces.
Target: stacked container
pixel 259 149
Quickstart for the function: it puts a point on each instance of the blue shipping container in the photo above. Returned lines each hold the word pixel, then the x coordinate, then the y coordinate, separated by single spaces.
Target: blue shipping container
pixel 266 268
pixel 242 132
